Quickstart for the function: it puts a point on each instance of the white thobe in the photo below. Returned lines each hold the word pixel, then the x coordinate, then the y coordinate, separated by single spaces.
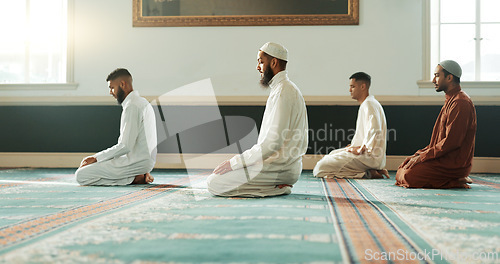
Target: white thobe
pixel 135 152
pixel 276 159
pixel 371 131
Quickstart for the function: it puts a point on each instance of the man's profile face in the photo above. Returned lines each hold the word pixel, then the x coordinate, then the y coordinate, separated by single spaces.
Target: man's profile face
pixel 355 88
pixel 439 79
pixel 116 90
pixel 264 67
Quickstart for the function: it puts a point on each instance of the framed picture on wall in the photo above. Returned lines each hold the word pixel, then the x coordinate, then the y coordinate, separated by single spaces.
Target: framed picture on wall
pixel 195 13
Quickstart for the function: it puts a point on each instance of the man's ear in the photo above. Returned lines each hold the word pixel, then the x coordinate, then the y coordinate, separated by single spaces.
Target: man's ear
pixel 363 86
pixel 449 78
pixel 274 63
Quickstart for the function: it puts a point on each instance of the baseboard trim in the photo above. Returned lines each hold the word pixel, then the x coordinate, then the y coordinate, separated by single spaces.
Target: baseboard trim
pixel 194 161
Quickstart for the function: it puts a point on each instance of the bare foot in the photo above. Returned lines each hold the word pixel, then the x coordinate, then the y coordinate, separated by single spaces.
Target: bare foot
pixel 384 172
pixel 143 179
pixel 379 174
pixel 400 179
pixel 149 178
pixel 465 180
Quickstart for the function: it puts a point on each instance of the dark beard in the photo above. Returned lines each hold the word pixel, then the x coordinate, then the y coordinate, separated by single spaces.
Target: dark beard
pixel 440 89
pixel 120 95
pixel 266 77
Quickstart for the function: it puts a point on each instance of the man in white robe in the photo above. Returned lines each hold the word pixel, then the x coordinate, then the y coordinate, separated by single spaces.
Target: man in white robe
pixel 131 160
pixel 365 156
pixel 274 164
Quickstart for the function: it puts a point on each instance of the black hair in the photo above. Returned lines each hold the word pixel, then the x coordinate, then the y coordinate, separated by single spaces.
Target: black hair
pixel 363 77
pixel 455 78
pixel 118 73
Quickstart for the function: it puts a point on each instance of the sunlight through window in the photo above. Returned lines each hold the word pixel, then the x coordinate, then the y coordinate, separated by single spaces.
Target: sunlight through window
pixel 34 41
pixel 467 31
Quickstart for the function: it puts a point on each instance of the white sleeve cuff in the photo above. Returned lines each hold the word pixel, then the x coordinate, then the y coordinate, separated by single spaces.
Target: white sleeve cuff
pixel 236 162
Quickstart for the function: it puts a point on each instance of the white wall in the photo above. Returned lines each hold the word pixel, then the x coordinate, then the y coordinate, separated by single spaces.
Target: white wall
pixel 387 44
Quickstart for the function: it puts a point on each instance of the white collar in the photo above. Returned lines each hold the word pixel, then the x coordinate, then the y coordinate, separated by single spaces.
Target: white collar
pixel 279 77
pixel 129 98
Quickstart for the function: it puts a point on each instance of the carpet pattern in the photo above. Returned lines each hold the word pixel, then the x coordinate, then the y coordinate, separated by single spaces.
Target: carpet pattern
pixel 45 217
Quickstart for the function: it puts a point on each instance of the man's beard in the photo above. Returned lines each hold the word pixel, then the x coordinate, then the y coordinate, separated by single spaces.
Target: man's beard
pixel 120 95
pixel 267 76
pixel 440 89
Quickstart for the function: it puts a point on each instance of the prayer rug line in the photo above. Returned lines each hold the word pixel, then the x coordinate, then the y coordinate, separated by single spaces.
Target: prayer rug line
pixel 363 228
pixel 20 232
pixel 7 185
pixel 486 183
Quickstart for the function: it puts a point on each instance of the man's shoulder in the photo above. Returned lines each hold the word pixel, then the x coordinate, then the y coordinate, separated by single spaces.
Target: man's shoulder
pixel 371 102
pixel 464 96
pixel 139 101
pixel 289 91
pixel 462 100
pixel 287 86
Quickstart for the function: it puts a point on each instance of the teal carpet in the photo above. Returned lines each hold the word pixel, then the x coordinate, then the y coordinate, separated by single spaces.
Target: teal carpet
pixel 45 217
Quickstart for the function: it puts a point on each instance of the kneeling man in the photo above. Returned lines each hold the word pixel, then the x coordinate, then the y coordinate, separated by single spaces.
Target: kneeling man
pixel 274 164
pixel 133 157
pixel 365 156
pixel 447 161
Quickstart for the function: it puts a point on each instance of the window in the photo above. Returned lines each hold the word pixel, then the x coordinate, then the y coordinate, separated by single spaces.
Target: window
pixel 34 46
pixel 467 31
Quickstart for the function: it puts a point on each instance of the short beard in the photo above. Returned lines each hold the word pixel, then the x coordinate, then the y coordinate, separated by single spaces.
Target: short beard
pixel 267 76
pixel 440 89
pixel 120 95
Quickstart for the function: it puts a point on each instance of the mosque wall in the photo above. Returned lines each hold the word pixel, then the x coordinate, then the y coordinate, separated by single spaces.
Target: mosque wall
pixel 386 44
pixel 89 129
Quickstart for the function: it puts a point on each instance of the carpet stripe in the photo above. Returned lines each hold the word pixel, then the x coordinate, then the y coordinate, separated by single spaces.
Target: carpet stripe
pixel 356 237
pixel 366 228
pixel 397 231
pixel 20 232
pixel 7 185
pixel 347 254
pixel 486 183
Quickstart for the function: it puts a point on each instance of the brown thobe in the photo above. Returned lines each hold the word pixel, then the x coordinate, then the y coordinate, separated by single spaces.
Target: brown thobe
pixel 448 157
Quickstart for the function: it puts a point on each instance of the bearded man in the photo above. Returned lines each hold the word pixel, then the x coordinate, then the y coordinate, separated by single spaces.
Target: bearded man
pixel 447 161
pixel 131 160
pixel 274 163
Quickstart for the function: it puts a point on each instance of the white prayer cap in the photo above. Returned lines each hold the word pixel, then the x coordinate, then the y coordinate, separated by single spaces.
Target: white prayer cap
pixel 452 67
pixel 275 50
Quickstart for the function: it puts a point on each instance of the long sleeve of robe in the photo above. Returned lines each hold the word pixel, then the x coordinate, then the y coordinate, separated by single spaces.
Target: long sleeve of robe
pixel 133 154
pixel 455 126
pixel 137 140
pixel 276 158
pixel 371 132
pixel 282 138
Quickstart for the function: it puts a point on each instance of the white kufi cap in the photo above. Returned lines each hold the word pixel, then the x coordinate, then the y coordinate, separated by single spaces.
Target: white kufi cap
pixel 452 67
pixel 275 50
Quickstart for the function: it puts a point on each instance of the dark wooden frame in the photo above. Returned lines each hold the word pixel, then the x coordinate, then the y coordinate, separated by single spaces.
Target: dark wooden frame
pixel 350 18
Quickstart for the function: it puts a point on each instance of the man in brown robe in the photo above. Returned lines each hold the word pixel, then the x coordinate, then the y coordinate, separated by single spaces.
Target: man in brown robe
pixel 446 162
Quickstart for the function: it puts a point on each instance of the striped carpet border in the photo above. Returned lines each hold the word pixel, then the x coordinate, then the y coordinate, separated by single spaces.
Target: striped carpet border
pixel 20 232
pixel 365 231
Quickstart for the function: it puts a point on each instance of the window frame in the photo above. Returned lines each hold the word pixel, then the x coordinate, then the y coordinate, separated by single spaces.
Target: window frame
pixel 70 83
pixel 426 81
